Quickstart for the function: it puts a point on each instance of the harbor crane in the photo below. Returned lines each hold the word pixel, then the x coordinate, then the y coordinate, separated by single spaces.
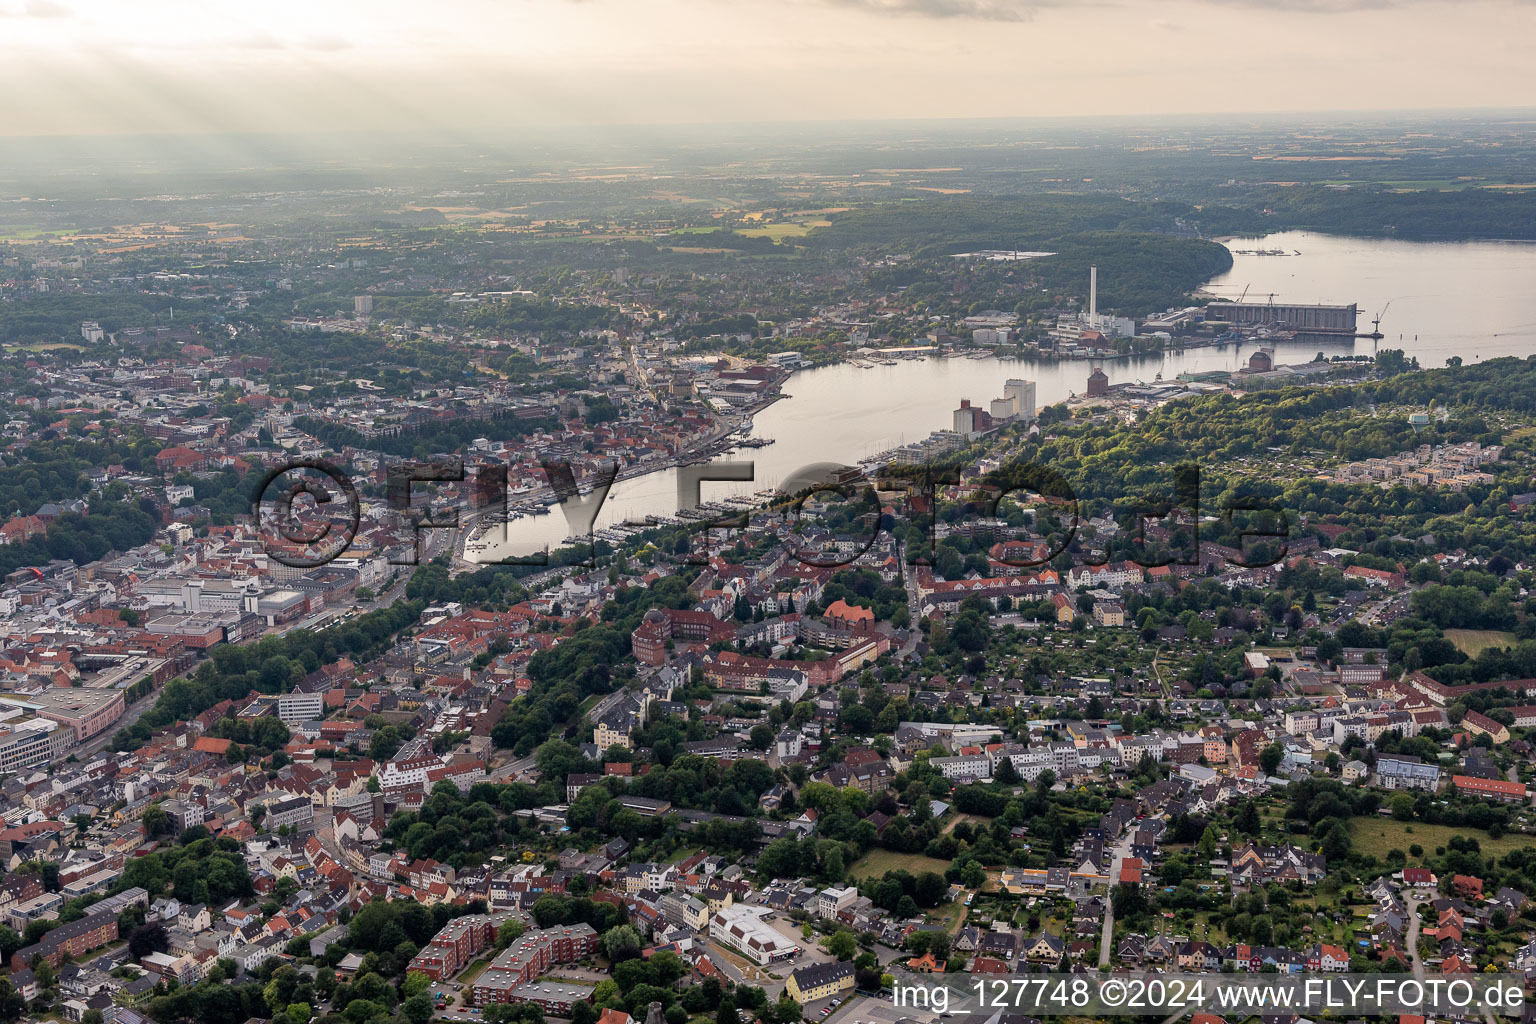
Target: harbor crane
pixel 1375 334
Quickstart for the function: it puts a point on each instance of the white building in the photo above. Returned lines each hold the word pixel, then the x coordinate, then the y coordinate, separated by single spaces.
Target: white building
pixel 829 901
pixel 1022 392
pixel 966 766
pixel 744 929
pixel 296 707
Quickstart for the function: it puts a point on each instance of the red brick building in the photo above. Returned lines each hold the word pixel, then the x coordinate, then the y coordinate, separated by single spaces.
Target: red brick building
pixel 68 940
pixel 447 952
pixel 649 640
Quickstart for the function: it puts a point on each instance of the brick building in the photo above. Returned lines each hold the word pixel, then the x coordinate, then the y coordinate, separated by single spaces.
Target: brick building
pixel 68 940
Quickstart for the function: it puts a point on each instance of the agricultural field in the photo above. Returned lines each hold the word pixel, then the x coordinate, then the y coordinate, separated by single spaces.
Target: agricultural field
pixel 784 229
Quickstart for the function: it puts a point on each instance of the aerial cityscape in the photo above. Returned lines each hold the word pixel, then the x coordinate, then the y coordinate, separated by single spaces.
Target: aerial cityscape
pixel 525 546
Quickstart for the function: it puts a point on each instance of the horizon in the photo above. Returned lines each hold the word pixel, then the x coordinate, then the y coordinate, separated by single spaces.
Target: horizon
pixel 1382 115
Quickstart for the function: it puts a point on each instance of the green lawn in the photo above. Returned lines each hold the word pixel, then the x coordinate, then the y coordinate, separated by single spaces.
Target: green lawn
pixel 878 861
pixel 784 229
pixel 42 346
pixel 1473 642
pixel 1380 835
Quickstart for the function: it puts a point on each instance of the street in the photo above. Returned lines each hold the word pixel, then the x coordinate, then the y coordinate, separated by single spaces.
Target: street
pixel 1412 939
pixel 1120 851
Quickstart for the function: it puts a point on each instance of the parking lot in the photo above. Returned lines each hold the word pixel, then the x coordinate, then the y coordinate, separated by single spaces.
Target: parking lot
pixel 810 951
pixel 868 1010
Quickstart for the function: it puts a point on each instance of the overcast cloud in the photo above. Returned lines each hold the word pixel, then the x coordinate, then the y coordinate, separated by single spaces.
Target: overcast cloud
pixel 196 65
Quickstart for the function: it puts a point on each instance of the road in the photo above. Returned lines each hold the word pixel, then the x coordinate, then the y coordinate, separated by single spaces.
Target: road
pixel 130 716
pixel 914 600
pixel 512 768
pixel 1414 905
pixel 1412 939
pixel 1118 853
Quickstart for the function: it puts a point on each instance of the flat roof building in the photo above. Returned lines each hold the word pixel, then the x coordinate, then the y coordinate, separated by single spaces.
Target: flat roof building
pixel 744 929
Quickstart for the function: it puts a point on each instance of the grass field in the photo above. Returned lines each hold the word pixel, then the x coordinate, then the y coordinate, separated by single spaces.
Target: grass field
pixel 877 862
pixel 950 915
pixel 42 346
pixel 1473 642
pixel 787 229
pixel 26 233
pixel 1379 836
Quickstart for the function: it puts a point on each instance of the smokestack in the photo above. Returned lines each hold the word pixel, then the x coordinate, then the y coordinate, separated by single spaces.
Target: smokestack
pixel 1093 293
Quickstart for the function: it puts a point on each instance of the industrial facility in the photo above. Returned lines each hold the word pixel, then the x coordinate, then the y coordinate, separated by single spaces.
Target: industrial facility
pixel 1303 319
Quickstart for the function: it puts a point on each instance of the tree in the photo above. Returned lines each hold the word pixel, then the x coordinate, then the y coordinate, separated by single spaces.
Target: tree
pixel 1208 840
pixel 619 943
pixel 1271 756
pixel 510 931
pixel 417 1009
pixel 1247 821
pixel 148 938
pixel 1336 842
pixel 1128 900
pixel 10 942
pixel 930 889
pixel 361 1011
pixel 1006 773
pixel 843 945
pixel 157 822
pixel 12 1005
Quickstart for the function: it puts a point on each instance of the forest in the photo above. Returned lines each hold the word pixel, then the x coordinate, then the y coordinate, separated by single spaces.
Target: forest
pixel 1422 215
pixel 1147 260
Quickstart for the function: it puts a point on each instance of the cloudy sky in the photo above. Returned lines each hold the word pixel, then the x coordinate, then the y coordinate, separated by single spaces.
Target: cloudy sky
pixel 71 66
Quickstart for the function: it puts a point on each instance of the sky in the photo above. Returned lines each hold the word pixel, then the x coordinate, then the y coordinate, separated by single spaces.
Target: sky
pixel 94 66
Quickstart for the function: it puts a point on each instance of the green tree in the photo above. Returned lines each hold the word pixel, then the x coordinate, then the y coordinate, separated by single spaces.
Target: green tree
pixel 12 1005
pixel 843 945
pixel 1270 757
pixel 417 1009
pixel 157 822
pixel 622 942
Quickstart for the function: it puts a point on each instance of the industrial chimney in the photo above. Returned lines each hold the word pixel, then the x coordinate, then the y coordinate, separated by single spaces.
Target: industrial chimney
pixel 1093 294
